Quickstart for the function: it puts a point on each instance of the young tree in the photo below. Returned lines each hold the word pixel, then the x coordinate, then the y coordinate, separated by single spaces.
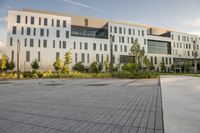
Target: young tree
pixel 58 65
pixel 4 60
pixel 94 67
pixel 107 64
pixel 68 60
pixel 100 67
pixel 79 67
pixel 10 65
pixel 35 65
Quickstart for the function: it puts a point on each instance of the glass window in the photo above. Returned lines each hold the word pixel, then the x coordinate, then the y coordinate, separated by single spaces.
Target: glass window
pixel 25 42
pixel 120 30
pixel 32 20
pixel 31 42
pixel 80 45
pixel 76 58
pixel 138 32
pixel 39 21
pixel 18 18
pixel 110 29
pixel 11 41
pixel 47 32
pixel 41 32
pixel 52 22
pixel 64 44
pixel 45 21
pixel 38 56
pixel 115 29
pixel 57 33
pixel 54 43
pixel 159 47
pixel 60 44
pixel 105 47
pixel 14 31
pixel 34 31
pixel 100 47
pixel 38 42
pixel 125 48
pixel 133 31
pixel 67 34
pixel 45 43
pixel 129 31
pixel 88 58
pixel 86 45
pixel 28 31
pixel 142 32
pixel 74 45
pixel 57 55
pixel 22 31
pixel 26 19
pixel 12 56
pixel 94 46
pixel 115 47
pixel 82 57
pixel 27 56
pixel 58 23
pixel 155 60
pixel 64 24
pixel 97 58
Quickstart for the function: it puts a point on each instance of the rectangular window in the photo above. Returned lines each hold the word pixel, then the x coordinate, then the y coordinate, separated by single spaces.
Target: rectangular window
pixel 47 32
pixel 151 60
pixel 28 31
pixel 18 18
pixel 12 56
pixel 57 33
pixel 14 30
pixel 124 30
pixel 34 31
pixel 39 21
pixel 121 48
pixel 32 20
pixel 133 31
pixel 129 31
pixel 115 47
pixel 45 21
pixel 170 61
pixel 31 42
pixel 97 58
pixel 11 41
pixel 163 60
pixel 52 22
pixel 122 39
pixel 67 34
pixel 94 46
pixel 155 60
pixel 38 56
pixel 64 24
pixel 125 48
pixel 26 19
pixel 100 47
pixel 120 30
pixel 138 32
pixel 54 43
pixel 80 45
pixel 57 55
pixel 76 58
pixel 88 58
pixel 22 31
pixel 60 44
pixel 41 32
pixel 105 47
pixel 27 56
pixel 166 60
pixel 86 22
pixel 74 45
pixel 39 43
pixel 82 57
pixel 25 42
pixel 145 41
pixel 58 23
pixel 142 33
pixel 110 29
pixel 115 29
pixel 86 45
pixel 64 44
pixel 45 43
pixel 102 58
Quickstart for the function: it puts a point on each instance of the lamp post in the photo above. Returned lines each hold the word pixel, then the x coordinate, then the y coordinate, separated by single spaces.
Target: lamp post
pixel 111 54
pixel 18 52
pixel 195 58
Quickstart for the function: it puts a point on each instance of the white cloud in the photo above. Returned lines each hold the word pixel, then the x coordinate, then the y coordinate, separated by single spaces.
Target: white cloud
pixel 82 5
pixel 192 23
pixel 3 19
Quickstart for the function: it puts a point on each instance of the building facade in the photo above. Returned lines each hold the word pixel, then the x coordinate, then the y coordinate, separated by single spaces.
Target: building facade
pixel 47 36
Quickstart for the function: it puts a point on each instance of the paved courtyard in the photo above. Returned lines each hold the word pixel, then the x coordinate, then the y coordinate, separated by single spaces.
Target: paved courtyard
pixel 80 106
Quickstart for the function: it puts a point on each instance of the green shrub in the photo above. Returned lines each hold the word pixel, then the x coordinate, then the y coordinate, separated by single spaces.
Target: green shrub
pixel 27 74
pixel 79 67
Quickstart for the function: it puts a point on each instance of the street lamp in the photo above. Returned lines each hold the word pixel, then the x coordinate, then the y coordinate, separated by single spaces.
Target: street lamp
pixel 111 54
pixel 195 58
pixel 18 52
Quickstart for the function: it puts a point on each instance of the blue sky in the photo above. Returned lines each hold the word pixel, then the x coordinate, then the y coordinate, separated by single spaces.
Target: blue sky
pixel 181 15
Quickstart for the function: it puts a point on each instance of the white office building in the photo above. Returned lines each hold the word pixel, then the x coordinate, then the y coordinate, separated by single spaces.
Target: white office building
pixel 47 36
